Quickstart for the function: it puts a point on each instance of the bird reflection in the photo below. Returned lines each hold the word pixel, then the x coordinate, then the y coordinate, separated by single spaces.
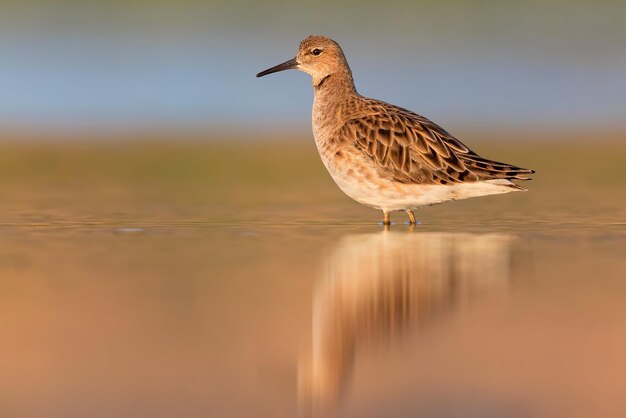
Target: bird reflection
pixel 378 287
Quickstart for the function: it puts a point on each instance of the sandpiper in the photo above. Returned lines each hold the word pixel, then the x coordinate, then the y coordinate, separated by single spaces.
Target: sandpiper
pixel 382 155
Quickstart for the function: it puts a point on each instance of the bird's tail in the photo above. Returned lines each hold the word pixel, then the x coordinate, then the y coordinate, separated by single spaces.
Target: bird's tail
pixel 492 170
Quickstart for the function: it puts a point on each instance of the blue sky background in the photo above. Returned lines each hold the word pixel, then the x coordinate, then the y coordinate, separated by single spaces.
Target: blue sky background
pixel 116 66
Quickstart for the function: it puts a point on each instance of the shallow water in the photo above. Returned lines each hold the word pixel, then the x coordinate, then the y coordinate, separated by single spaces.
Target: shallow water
pixel 200 280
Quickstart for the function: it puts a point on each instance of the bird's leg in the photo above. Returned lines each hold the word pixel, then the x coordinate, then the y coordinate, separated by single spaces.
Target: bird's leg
pixel 412 220
pixel 387 220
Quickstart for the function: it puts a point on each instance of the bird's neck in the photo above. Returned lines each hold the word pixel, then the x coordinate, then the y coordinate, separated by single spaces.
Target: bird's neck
pixel 336 84
pixel 331 91
pixel 331 104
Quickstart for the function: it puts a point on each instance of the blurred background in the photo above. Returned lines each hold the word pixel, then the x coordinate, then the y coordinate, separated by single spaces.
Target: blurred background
pixel 172 246
pixel 71 66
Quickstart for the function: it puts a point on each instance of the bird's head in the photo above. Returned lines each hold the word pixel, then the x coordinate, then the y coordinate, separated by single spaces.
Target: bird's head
pixel 317 56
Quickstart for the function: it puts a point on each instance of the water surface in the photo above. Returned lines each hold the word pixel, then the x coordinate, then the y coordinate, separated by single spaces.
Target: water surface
pixel 200 280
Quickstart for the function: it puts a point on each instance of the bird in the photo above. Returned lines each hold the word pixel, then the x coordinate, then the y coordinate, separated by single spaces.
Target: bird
pixel 384 156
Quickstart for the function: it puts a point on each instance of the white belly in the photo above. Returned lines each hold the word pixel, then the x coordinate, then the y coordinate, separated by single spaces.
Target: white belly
pixel 397 196
pixel 357 177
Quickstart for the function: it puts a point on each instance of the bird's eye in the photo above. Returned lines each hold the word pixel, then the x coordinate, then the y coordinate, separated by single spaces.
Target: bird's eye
pixel 316 51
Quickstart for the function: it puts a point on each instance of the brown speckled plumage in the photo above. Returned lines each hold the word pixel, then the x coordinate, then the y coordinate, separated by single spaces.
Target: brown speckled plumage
pixel 385 156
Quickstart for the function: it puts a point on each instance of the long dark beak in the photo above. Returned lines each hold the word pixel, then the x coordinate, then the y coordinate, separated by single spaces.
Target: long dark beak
pixel 287 65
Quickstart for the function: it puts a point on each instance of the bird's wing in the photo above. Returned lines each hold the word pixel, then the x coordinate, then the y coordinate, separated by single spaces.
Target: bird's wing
pixel 409 148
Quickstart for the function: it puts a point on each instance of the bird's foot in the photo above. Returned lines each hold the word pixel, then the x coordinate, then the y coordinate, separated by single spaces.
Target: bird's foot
pixel 386 217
